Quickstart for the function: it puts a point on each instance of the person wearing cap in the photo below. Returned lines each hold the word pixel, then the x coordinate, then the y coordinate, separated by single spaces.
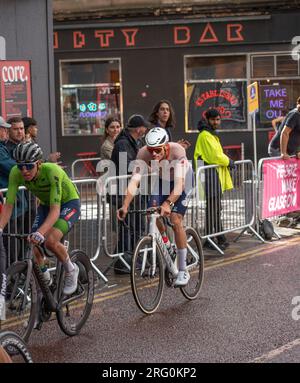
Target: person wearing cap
pixel 6 162
pixel 126 147
pixel 20 218
pixel 209 150
pixel 3 130
pixel 129 142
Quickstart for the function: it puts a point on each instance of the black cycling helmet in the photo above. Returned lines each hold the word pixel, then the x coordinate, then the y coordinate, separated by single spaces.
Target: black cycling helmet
pixel 27 152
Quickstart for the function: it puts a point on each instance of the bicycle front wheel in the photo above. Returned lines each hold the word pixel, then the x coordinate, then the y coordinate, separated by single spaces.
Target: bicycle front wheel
pixel 147 278
pixel 15 347
pixel 76 308
pixel 21 305
pixel 195 264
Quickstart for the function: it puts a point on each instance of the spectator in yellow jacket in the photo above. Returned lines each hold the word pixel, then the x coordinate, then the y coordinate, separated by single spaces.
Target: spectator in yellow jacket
pixel 209 149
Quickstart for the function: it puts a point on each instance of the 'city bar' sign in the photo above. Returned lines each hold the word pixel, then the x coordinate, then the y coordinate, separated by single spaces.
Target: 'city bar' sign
pixel 157 36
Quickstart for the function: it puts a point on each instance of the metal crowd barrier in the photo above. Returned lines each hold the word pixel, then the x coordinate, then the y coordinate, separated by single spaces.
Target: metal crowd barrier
pixel 98 231
pixel 22 218
pixel 234 210
pixel 87 169
pixel 119 239
pixel 85 234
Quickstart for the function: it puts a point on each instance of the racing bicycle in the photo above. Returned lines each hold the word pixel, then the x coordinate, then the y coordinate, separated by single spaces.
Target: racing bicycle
pixel 152 265
pixel 30 301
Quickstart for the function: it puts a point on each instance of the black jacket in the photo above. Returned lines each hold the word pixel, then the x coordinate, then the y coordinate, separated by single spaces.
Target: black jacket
pixel 127 144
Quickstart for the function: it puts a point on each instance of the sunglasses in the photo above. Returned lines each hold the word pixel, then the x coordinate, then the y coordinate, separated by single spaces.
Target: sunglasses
pixel 155 150
pixel 28 166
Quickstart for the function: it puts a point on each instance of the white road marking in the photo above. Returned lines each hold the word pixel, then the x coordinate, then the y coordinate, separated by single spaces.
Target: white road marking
pixel 272 354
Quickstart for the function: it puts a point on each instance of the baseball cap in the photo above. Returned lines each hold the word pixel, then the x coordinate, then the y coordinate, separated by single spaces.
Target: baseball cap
pixel 4 124
pixel 137 120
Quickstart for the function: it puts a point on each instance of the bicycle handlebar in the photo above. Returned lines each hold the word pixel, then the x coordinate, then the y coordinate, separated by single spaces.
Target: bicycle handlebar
pixel 150 210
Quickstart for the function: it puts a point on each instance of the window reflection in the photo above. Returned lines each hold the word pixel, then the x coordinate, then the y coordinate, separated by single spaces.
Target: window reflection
pixel 90 92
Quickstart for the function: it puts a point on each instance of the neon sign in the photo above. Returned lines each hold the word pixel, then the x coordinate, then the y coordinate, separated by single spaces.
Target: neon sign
pixel 214 93
pixel 92 107
pixel 274 99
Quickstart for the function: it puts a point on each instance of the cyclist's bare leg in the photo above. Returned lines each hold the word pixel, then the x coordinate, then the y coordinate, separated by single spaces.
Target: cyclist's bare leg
pixel 39 258
pixel 53 243
pixel 4 357
pixel 160 225
pixel 179 232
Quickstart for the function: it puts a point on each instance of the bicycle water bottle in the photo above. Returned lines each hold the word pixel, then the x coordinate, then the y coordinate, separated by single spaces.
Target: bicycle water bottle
pixel 170 248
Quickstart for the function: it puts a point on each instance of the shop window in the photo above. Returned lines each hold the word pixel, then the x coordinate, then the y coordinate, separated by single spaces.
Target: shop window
pixel 286 66
pixel 90 92
pixel 277 65
pixel 263 66
pixel 218 82
pixel 221 67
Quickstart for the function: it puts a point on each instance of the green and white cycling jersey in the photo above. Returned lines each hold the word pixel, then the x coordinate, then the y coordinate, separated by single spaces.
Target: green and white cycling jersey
pixel 52 186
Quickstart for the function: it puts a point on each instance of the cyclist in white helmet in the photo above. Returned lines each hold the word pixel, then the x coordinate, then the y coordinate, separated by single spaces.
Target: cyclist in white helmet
pixel 170 190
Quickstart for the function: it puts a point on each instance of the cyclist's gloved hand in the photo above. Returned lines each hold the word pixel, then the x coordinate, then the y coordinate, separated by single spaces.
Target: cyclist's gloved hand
pixel 37 238
pixel 232 165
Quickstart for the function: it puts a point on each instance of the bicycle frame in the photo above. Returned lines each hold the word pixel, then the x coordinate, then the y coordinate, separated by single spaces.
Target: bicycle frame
pixel 51 298
pixel 158 241
pixel 53 302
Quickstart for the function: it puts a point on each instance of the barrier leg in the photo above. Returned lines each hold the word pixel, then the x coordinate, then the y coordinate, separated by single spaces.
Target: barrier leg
pixel 99 272
pixel 256 234
pixel 213 243
pixel 239 236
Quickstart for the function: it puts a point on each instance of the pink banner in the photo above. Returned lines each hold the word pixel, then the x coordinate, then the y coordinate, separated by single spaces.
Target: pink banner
pixel 281 183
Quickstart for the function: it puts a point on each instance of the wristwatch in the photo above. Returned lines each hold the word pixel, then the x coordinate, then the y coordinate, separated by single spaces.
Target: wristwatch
pixel 170 203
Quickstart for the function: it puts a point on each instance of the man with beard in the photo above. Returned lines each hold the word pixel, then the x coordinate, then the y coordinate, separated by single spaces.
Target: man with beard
pixel 209 149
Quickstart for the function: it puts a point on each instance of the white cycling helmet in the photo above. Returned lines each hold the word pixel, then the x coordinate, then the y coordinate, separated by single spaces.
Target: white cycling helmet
pixel 156 137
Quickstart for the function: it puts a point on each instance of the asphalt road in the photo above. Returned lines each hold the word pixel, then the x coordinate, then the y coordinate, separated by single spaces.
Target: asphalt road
pixel 243 314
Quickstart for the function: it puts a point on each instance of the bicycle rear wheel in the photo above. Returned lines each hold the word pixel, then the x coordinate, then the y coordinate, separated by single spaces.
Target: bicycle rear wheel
pixel 76 308
pixel 195 264
pixel 147 282
pixel 21 307
pixel 15 347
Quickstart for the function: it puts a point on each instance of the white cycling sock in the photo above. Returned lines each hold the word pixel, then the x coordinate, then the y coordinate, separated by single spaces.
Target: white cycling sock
pixel 68 265
pixel 182 258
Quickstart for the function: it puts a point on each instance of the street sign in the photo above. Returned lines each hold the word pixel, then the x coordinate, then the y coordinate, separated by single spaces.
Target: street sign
pixel 2 48
pixel 252 92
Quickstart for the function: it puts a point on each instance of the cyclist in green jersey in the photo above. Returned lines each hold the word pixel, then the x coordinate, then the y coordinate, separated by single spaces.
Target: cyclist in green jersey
pixel 58 210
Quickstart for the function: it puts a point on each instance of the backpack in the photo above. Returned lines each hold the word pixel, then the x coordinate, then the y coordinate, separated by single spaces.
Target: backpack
pixel 266 229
